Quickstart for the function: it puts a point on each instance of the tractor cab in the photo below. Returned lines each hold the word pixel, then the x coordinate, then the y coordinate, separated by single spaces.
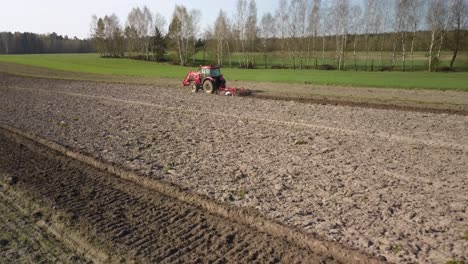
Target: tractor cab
pixel 210 71
pixel 211 78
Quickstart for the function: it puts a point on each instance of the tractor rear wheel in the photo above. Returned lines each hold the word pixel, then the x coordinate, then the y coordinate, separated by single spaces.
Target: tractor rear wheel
pixel 208 87
pixel 193 87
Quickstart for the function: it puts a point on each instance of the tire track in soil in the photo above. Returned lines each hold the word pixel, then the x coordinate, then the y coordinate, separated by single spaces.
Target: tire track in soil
pixel 383 135
pixel 135 222
pixel 24 242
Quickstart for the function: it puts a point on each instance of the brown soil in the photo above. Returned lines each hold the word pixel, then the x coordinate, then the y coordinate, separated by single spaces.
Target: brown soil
pixel 135 223
pixel 388 182
pixel 22 241
pixel 422 100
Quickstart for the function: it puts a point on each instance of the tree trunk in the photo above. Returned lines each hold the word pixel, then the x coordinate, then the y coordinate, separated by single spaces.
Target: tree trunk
pixel 382 45
pixel 403 49
pixel 323 49
pixel 354 52
pixel 282 52
pixel 314 54
pixel 457 47
pixel 441 42
pixel 179 47
pixel 394 51
pixel 412 49
pixel 337 52
pixel 341 63
pixel 367 52
pixel 431 48
pixel 229 54
pixel 308 53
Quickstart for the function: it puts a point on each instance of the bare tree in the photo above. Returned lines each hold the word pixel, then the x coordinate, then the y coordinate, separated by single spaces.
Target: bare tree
pixel 139 21
pixel 356 22
pixel 383 19
pixel 415 14
pixel 160 23
pixel 241 16
pixel 341 17
pixel 147 29
pixel 314 26
pixel 5 40
pixel 326 19
pixel 179 31
pixel 230 39
pixel 267 30
pixel 403 22
pixel 297 25
pixel 251 32
pixel 194 29
pixel 131 37
pixel 459 24
pixel 93 25
pixel 436 17
pixel 100 37
pixel 302 25
pixel 221 35
pixel 282 21
pixel 113 36
pixel 158 44
pixel 370 10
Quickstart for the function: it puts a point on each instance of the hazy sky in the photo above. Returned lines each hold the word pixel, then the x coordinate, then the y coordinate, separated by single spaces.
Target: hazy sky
pixel 73 18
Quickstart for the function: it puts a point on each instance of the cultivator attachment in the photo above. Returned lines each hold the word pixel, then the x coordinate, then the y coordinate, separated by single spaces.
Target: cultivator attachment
pixel 234 91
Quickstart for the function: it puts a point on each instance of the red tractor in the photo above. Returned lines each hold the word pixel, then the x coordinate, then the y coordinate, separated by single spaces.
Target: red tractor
pixel 210 79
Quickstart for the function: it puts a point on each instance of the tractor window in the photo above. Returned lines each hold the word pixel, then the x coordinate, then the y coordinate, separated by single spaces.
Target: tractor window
pixel 215 72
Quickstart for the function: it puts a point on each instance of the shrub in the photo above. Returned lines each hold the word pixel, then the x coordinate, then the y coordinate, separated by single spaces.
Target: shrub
pixel 327 67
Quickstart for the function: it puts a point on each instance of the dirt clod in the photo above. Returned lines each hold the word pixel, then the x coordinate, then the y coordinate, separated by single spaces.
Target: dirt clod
pixel 4 242
pixel 37 215
pixel 11 180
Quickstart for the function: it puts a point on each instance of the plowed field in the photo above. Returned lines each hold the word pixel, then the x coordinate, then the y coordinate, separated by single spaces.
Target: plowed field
pixel 390 183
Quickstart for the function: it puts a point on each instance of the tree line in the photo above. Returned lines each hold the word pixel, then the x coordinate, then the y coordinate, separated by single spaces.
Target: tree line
pixel 30 43
pixel 301 31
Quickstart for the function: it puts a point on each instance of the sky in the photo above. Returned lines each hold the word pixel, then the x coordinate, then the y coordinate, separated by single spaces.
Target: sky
pixel 73 18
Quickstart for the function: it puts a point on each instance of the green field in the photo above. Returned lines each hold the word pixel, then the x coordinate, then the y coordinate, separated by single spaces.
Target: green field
pixel 93 64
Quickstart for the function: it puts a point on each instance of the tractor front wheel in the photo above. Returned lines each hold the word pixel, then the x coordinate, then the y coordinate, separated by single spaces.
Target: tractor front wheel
pixel 193 87
pixel 208 87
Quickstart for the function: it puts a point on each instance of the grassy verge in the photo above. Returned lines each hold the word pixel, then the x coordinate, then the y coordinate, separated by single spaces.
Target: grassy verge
pixel 92 64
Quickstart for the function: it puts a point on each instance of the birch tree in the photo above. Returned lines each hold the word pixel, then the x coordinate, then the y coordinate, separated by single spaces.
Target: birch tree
pixel 356 22
pixel 251 32
pixel 267 30
pixel 221 35
pixel 402 12
pixel 282 25
pixel 370 10
pixel 297 25
pixel 459 25
pixel 435 19
pixel 113 36
pixel 158 43
pixel 341 15
pixel 146 27
pixel 141 21
pixel 415 14
pixel 179 31
pixel 314 26
pixel 241 16
pixel 382 19
pixel 194 30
